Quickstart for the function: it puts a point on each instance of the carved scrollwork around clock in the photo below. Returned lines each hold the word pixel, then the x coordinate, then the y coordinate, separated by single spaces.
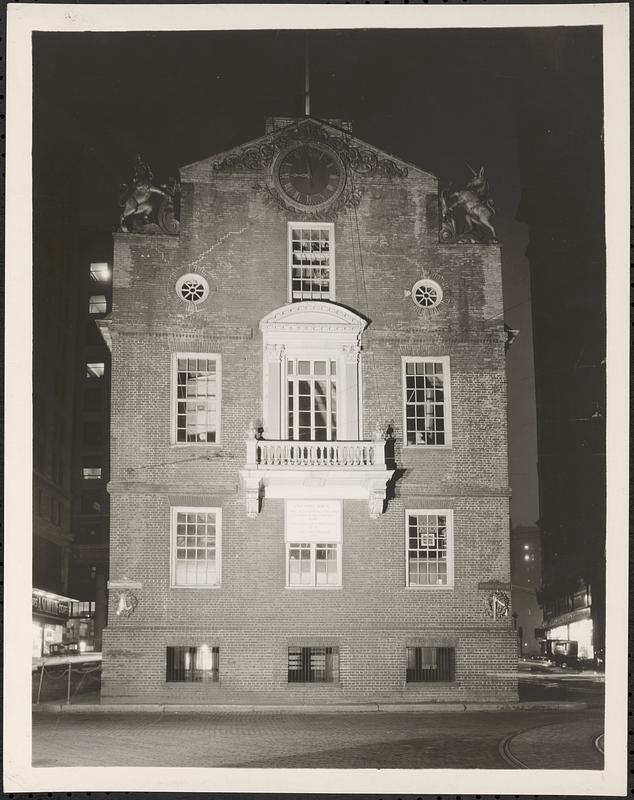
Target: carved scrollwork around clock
pixel 362 160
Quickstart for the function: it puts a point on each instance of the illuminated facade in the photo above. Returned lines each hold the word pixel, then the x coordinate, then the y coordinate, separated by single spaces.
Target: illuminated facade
pixel 309 490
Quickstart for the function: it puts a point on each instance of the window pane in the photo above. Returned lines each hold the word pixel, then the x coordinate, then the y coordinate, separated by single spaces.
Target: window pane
pixel 95 370
pixel 195 562
pixel 424 403
pixel 97 304
pixel 100 272
pixel 196 393
pixel 427 550
pixel 310 263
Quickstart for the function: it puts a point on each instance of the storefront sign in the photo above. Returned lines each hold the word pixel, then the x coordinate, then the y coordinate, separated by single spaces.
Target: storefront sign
pixel 313 521
pixel 51 605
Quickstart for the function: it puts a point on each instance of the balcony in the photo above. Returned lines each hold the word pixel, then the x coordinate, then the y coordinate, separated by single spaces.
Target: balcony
pixel 352 470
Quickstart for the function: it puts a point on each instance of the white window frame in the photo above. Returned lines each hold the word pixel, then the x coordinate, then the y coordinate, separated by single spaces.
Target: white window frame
pixel 174 511
pixel 450 549
pixel 444 360
pixel 330 227
pixel 174 399
pixel 311 378
pixel 313 566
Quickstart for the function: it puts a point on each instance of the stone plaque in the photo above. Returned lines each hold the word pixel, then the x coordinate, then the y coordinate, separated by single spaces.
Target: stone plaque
pixel 313 521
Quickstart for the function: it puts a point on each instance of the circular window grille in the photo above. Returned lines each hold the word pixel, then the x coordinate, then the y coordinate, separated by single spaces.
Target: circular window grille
pixel 427 293
pixel 192 288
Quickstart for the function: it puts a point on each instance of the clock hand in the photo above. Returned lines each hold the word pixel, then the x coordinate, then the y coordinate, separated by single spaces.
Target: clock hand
pixel 299 175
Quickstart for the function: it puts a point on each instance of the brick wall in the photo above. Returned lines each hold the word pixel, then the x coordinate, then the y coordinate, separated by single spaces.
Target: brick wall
pixel 382 248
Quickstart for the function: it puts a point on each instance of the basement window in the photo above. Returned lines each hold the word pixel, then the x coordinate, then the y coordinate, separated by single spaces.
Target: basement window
pixel 91 473
pixel 430 664
pixel 313 664
pixel 192 664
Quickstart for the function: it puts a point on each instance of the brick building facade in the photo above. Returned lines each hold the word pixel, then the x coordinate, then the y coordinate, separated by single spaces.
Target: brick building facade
pixel 309 490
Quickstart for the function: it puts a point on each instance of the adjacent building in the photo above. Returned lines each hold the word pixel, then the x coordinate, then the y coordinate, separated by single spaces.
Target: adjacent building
pixel 561 145
pixel 91 426
pixel 526 579
pixel 309 496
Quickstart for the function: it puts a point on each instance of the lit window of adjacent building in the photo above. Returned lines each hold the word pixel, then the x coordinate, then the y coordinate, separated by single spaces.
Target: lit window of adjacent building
pixel 100 272
pixel 311 564
pixel 430 664
pixel 313 664
pixel 196 546
pixel 311 399
pixel 427 418
pixel 311 261
pixel 91 473
pixel 95 369
pixel 192 664
pixel 196 398
pixel 429 547
pixel 97 304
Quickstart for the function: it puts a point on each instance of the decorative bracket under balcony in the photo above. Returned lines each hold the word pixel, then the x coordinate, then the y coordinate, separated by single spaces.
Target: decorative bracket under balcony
pixel 343 470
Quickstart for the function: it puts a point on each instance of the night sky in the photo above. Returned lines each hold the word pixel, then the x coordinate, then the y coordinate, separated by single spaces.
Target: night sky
pixel 437 99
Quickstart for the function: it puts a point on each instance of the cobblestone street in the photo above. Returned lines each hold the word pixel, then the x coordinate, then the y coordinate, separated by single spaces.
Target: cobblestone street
pixel 331 740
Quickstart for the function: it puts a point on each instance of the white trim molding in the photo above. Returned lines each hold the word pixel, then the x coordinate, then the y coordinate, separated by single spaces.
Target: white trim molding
pixel 348 468
pixel 430 541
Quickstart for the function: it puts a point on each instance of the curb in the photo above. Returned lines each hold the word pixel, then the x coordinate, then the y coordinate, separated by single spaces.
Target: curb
pixel 174 708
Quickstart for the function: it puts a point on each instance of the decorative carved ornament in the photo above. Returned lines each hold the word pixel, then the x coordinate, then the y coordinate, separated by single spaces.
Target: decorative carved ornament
pixel 146 208
pixel 498 604
pixel 355 158
pixel 362 160
pixel 472 224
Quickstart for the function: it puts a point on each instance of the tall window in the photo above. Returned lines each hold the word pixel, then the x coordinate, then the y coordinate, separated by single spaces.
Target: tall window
pixel 196 398
pixel 188 664
pixel 311 261
pixel 430 664
pixel 427 402
pixel 196 546
pixel 429 548
pixel 314 564
pixel 313 664
pixel 312 400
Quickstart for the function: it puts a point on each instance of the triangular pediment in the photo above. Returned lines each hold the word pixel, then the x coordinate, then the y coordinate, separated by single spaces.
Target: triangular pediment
pixel 259 154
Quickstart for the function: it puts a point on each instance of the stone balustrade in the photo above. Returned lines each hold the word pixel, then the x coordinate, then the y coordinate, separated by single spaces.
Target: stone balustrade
pixel 262 454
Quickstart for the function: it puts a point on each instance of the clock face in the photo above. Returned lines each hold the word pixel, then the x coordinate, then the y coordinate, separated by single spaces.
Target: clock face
pixel 310 175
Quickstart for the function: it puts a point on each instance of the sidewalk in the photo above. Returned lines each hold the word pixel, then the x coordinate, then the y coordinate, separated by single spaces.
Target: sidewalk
pixel 90 704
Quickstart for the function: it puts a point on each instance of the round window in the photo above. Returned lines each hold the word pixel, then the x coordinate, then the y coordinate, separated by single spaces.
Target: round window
pixel 427 293
pixel 192 288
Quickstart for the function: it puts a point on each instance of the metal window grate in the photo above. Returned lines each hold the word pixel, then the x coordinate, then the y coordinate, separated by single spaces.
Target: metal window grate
pixel 187 664
pixel 313 664
pixel 430 664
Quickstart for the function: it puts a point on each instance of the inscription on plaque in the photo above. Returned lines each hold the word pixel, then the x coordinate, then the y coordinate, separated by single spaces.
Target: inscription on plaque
pixel 313 520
